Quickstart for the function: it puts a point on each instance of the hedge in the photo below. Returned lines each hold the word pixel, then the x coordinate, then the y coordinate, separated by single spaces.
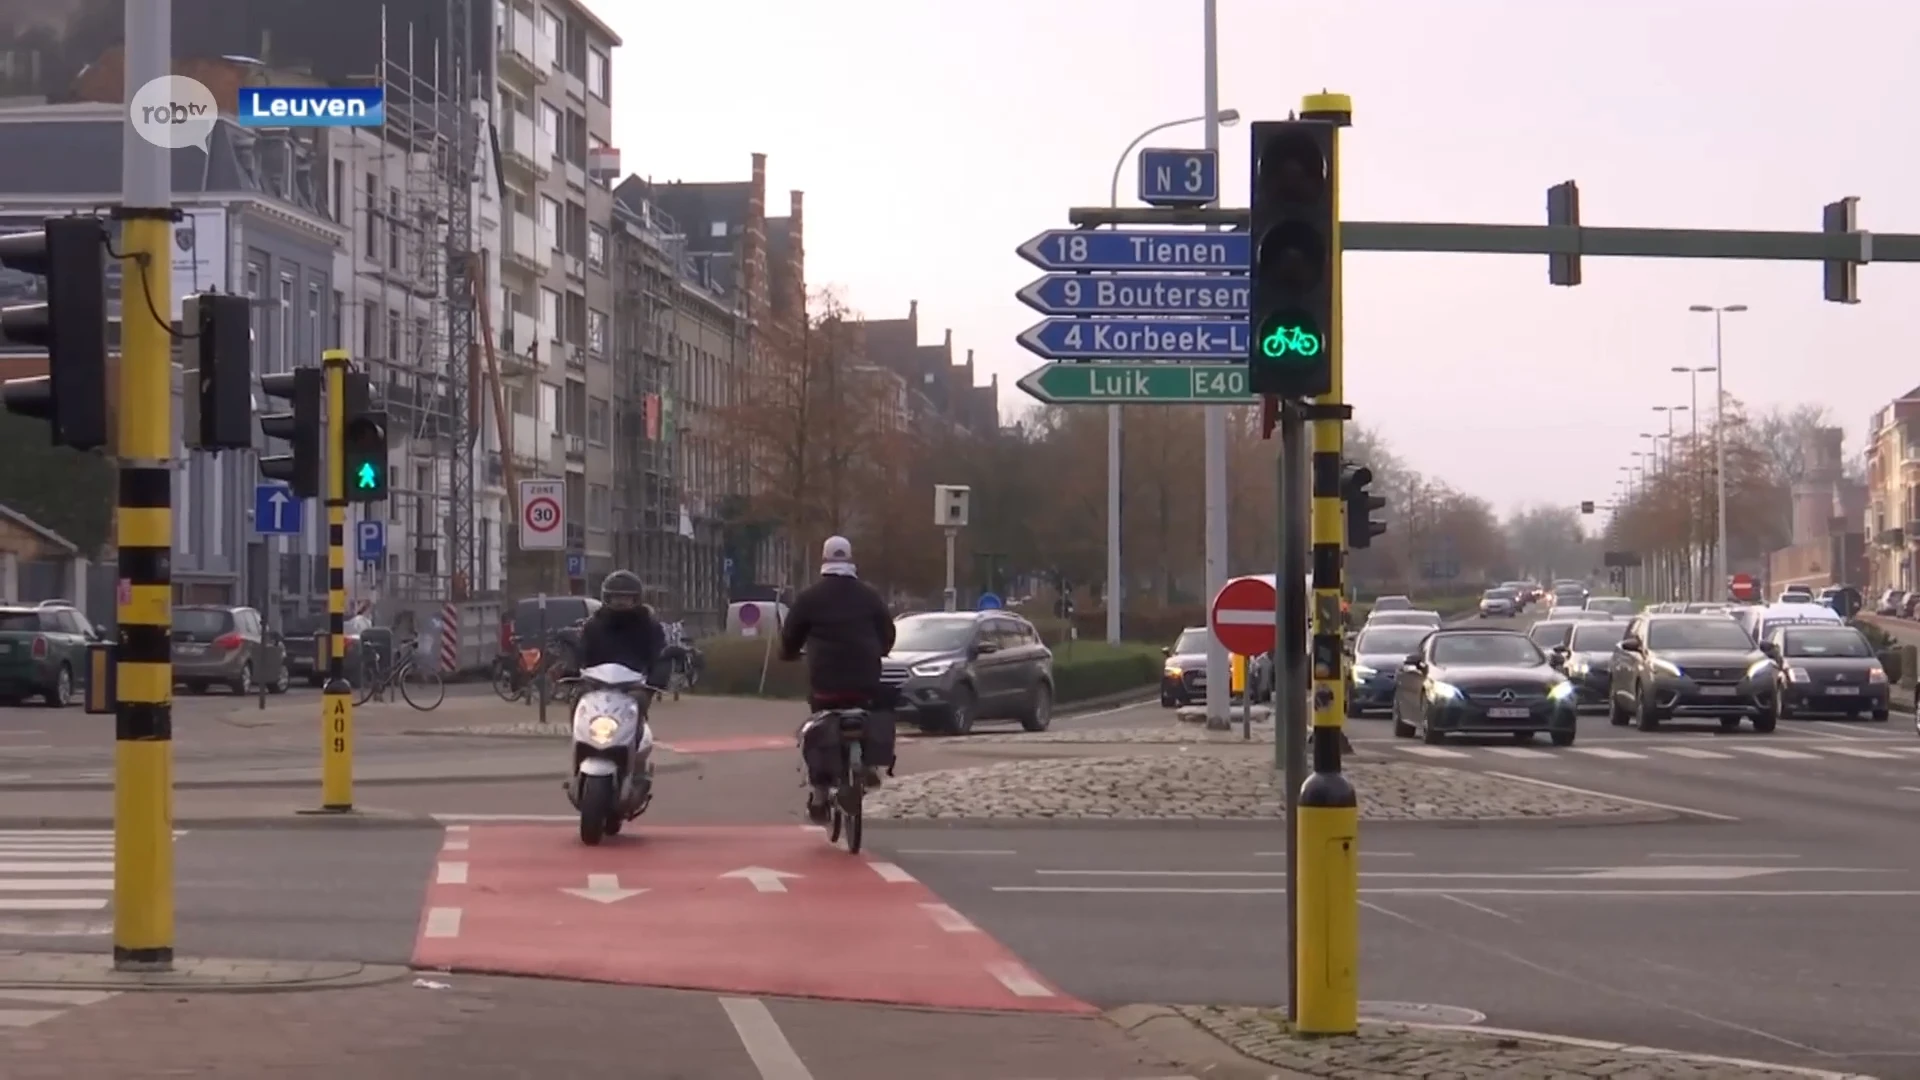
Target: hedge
pixel 1083 670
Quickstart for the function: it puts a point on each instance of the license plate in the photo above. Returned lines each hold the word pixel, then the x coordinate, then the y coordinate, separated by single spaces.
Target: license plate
pixel 1843 690
pixel 1719 691
pixel 191 650
pixel 1509 713
pixel 1199 684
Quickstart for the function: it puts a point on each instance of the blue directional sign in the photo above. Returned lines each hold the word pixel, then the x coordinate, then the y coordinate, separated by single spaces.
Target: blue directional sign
pixel 275 511
pixel 370 541
pixel 1137 339
pixel 1138 249
pixel 1142 294
pixel 989 602
pixel 1179 177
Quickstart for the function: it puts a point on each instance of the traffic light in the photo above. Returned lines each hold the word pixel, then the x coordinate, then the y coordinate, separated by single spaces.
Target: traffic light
pixel 1294 244
pixel 299 470
pixel 1361 528
pixel 365 442
pixel 1563 212
pixel 70 324
pixel 1586 507
pixel 219 399
pixel 1841 283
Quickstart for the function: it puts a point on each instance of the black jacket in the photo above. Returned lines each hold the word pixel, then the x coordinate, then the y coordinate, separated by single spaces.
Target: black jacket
pixel 845 628
pixel 633 638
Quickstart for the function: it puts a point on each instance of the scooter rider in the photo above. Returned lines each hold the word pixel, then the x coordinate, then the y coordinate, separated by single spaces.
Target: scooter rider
pixel 845 628
pixel 624 630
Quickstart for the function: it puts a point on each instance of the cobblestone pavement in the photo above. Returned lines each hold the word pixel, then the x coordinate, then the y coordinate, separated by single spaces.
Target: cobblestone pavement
pixel 1213 786
pixel 1395 1050
pixel 1153 736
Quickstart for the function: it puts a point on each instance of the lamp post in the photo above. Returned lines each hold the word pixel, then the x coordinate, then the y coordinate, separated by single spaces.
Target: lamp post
pixel 1672 567
pixel 1719 438
pixel 1700 565
pixel 1224 118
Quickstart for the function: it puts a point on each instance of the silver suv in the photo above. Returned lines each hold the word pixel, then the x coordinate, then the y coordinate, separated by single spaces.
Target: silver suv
pixel 953 668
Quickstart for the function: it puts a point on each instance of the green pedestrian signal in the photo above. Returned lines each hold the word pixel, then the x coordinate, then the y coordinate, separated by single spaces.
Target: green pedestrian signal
pixel 365 446
pixel 368 477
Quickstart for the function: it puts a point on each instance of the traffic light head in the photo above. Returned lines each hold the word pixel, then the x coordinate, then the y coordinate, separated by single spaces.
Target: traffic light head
pixel 1361 505
pixel 299 426
pixel 1295 245
pixel 365 445
pixel 1586 507
pixel 71 325
pixel 219 399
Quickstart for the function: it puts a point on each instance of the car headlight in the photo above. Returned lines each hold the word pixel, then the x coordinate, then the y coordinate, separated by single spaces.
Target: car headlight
pixel 1798 674
pixel 1667 667
pixel 1172 671
pixel 932 668
pixel 1877 675
pixel 1577 668
pixel 601 730
pixel 1561 691
pixel 1442 691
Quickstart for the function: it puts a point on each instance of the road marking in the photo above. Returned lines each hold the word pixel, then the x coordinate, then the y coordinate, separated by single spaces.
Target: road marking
pixel 452 873
pixel 1858 752
pixel 1708 814
pixel 56 885
pixel 519 818
pixel 1692 752
pixel 1518 752
pixel 1775 752
pixel 1364 853
pixel 957 851
pixel 774 1058
pixel 1432 751
pixel 1476 907
pixel 453 828
pixel 443 922
pixel 1607 753
pixel 75 904
pixel 454 845
pixel 52 866
pixel 1728 855
pixel 1019 980
pixel 1406 890
pixel 891 874
pixel 948 919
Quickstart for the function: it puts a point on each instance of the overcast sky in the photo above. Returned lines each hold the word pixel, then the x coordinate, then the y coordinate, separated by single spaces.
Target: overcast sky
pixel 932 138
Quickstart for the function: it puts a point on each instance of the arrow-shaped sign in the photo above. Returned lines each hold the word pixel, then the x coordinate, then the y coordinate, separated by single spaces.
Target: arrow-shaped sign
pixel 603 889
pixel 763 879
pixel 279 501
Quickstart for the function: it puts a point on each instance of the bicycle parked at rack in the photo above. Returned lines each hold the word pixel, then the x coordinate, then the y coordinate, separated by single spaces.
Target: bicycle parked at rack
pixel 421 689
pixel 516 677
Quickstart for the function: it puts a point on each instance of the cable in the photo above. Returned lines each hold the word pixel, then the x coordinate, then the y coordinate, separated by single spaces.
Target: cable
pixel 146 291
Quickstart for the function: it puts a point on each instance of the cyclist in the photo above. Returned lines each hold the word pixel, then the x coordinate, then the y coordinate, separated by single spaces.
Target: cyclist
pixel 624 630
pixel 845 628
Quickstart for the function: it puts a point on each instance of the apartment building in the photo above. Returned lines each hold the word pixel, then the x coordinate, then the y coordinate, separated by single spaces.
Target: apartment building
pixel 1892 525
pixel 552 123
pixel 939 391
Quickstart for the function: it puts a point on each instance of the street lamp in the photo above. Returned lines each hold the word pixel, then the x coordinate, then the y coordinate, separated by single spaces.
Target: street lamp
pixel 1697 560
pixel 1670 410
pixel 1719 438
pixel 1225 118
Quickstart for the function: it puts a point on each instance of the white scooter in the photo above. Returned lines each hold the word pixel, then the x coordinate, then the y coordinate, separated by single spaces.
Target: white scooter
pixel 611 781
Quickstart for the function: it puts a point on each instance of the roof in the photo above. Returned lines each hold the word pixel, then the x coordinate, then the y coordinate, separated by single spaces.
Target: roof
pixel 39 530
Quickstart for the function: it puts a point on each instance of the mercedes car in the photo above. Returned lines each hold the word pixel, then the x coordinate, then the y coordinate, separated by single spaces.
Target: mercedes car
pixel 1690 667
pixel 1484 682
pixel 1377 655
pixel 1828 669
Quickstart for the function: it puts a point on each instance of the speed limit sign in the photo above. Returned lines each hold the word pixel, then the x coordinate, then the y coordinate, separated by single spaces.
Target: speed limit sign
pixel 543 510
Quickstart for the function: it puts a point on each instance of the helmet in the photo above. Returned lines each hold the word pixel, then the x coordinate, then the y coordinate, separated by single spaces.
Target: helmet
pixel 621 590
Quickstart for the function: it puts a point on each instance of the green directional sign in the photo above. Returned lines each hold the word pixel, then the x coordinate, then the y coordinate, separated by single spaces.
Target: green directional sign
pixel 1139 384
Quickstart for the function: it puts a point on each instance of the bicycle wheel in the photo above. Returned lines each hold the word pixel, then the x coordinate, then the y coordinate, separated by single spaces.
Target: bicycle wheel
pixel 423 690
pixel 365 691
pixel 505 683
pixel 856 793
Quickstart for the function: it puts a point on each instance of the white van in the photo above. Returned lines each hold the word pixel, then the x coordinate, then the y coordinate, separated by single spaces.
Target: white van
pixel 1759 622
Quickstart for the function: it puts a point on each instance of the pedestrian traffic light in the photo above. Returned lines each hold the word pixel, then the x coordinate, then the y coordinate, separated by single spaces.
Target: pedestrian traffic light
pixel 219 399
pixel 1361 528
pixel 1294 247
pixel 300 427
pixel 70 324
pixel 1586 506
pixel 365 443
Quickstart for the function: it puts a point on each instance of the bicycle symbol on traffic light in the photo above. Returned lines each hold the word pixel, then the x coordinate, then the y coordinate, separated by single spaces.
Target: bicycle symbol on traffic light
pixel 1290 339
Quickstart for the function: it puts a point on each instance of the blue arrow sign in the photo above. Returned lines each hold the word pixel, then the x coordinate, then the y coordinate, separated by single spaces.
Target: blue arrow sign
pixel 1143 294
pixel 1137 339
pixel 1085 249
pixel 370 541
pixel 275 511
pixel 1179 177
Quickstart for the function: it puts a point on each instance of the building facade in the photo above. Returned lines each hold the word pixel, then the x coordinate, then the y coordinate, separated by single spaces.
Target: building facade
pixel 1892 521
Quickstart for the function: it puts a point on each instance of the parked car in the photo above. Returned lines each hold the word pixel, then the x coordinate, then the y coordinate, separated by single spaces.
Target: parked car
pixel 43 653
pixel 1685 667
pixel 954 669
pixel 1484 682
pixel 1891 602
pixel 1828 669
pixel 226 645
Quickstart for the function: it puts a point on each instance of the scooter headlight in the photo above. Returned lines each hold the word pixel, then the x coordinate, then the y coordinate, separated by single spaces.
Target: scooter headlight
pixel 601 730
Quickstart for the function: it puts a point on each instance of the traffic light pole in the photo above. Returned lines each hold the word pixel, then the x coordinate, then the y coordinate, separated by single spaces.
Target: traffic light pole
pixel 1327 838
pixel 143 924
pixel 336 700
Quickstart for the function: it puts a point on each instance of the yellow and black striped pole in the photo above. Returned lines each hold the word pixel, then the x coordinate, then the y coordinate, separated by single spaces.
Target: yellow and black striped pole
pixel 336 701
pixel 1328 830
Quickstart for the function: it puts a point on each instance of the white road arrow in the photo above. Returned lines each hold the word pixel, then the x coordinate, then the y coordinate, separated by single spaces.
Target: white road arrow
pixel 763 879
pixel 603 889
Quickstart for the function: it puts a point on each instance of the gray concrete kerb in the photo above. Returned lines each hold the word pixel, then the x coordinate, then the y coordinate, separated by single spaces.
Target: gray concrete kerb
pixel 237 820
pixel 197 975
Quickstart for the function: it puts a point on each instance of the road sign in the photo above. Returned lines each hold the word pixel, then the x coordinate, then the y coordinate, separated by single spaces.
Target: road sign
pixel 749 614
pixel 1143 294
pixel 1138 384
pixel 1742 586
pixel 989 602
pixel 275 511
pixel 1242 616
pixel 543 510
pixel 1134 339
pixel 1179 177
pixel 1136 249
pixel 576 564
pixel 726 569
pixel 370 541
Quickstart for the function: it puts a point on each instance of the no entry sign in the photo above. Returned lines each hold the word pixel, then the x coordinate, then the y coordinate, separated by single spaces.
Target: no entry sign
pixel 1741 586
pixel 1242 617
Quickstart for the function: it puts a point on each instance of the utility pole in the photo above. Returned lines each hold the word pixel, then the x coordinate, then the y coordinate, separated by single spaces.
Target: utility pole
pixel 336 697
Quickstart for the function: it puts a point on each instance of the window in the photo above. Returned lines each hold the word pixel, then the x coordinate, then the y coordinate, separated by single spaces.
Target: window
pixel 718 230
pixel 575 319
pixel 422 340
pixel 337 195
pixel 393 335
pixel 287 317
pixel 393 228
pixel 369 328
pixel 550 218
pixel 549 314
pixel 597 421
pixel 554 31
pixel 596 333
pixel 575 241
pixel 313 317
pixel 370 203
pixel 549 132
pixel 549 404
pixel 338 315
pixel 597 74
pixel 599 498
pixel 576 139
pixel 597 248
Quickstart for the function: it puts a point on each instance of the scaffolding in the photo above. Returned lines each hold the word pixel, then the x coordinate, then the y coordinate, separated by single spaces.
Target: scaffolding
pixel 652 252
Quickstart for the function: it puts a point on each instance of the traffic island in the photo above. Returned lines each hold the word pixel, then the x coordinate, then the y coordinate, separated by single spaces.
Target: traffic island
pixel 95 971
pixel 1249 1042
pixel 1221 784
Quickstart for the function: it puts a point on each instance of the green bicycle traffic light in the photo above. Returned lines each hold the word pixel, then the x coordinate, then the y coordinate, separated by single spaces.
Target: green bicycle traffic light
pixel 1294 240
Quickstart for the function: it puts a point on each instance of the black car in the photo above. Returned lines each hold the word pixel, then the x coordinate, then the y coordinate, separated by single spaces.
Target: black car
pixel 1183 679
pixel 1484 682
pixel 1378 654
pixel 1551 634
pixel 1683 667
pixel 1828 669
pixel 1590 657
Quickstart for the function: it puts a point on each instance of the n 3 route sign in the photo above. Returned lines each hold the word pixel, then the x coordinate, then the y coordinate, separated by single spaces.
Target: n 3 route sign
pixel 1139 384
pixel 1142 294
pixel 1132 339
pixel 1189 252
pixel 1179 177
pixel 1242 616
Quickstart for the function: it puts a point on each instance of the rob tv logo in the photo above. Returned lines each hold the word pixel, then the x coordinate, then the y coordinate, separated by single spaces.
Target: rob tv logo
pixel 300 106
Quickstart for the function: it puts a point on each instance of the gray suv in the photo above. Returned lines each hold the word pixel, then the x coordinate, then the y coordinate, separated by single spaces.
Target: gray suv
pixel 953 668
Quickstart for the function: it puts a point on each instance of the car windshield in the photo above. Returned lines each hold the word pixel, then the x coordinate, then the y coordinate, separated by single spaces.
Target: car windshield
pixel 1389 641
pixel 1192 640
pixel 1392 603
pixel 1614 605
pixel 944 634
pixel 1468 650
pixel 1825 641
pixel 1697 634
pixel 1597 636
pixel 1404 618
pixel 30 620
pixel 1497 594
pixel 1550 635
pixel 1768 626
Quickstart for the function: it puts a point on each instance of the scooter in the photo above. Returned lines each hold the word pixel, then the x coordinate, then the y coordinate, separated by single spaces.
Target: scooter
pixel 611 780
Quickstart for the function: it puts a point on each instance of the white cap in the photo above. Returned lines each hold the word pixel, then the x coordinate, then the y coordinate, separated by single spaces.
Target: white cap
pixel 836 549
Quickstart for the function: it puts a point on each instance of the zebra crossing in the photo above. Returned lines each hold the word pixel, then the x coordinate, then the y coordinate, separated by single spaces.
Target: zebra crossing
pixel 1723 750
pixel 56 882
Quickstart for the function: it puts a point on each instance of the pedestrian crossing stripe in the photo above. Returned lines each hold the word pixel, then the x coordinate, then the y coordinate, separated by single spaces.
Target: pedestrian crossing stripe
pixel 1807 752
pixel 52 875
pixel 23 1008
